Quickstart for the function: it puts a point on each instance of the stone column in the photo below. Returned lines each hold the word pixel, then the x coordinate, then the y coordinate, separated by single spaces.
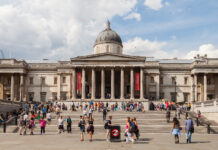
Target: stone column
pixel 59 87
pixel 205 87
pixel 12 87
pixel 157 87
pixel 122 84
pixel 74 84
pixel 196 87
pixel 83 83
pixel 142 83
pixel 192 89
pixel 112 83
pixel 93 83
pixel 21 87
pixel 147 85
pixel 102 84
pixel 131 83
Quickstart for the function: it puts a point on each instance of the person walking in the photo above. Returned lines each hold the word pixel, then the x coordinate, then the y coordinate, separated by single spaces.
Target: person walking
pixel 42 125
pixel 108 125
pixel 90 129
pixel 44 112
pixel 104 113
pixel 61 124
pixel 69 122
pixel 82 124
pixel 129 130
pixel 21 124
pixel 90 111
pixel 136 128
pixel 189 129
pixel 48 117
pixel 178 111
pixel 176 129
pixel 198 117
pixel 168 115
pixel 31 125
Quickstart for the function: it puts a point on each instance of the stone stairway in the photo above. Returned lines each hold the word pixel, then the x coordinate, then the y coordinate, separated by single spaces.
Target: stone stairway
pixel 8 107
pixel 149 122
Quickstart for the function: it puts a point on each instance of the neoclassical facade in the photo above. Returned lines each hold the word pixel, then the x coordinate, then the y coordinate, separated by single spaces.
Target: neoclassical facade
pixel 109 75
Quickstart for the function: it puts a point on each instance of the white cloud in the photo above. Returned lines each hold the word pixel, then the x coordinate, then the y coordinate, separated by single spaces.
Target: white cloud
pixel 141 47
pixel 133 15
pixel 208 49
pixel 53 28
pixel 154 4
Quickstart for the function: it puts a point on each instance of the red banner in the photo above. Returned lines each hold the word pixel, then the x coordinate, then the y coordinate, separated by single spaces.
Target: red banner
pixel 78 80
pixel 137 80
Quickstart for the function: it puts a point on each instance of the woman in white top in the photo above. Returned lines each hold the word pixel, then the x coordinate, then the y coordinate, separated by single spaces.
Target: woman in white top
pixel 61 124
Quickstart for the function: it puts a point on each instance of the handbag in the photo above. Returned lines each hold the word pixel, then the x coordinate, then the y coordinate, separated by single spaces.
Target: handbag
pixel 192 129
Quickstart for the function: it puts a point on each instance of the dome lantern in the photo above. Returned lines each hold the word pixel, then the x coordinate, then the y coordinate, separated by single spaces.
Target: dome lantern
pixel 108 41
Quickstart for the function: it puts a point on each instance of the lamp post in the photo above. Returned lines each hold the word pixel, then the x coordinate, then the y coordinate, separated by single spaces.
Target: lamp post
pixel 193 87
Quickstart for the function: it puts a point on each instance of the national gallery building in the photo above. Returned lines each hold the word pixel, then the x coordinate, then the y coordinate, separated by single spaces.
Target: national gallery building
pixel 110 75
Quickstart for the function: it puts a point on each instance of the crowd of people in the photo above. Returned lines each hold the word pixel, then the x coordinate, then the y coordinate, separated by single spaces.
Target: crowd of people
pixel 33 114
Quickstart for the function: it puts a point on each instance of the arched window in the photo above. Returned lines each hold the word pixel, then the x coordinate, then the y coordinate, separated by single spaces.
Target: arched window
pixel 107 48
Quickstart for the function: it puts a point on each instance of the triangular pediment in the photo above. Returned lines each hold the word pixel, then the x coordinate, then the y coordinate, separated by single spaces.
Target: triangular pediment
pixel 108 57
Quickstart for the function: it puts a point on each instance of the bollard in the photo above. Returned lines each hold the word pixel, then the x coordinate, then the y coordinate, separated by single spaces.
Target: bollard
pixel 208 128
pixel 4 127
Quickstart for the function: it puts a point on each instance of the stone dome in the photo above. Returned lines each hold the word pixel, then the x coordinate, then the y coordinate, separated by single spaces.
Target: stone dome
pixel 108 36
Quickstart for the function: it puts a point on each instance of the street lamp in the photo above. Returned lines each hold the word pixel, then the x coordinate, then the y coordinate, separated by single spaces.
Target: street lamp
pixel 193 92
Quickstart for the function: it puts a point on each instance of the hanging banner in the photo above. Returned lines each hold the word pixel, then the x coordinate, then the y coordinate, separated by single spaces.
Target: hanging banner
pixel 79 80
pixel 137 80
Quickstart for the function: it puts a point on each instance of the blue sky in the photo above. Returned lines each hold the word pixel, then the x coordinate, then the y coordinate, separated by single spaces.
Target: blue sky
pixel 56 29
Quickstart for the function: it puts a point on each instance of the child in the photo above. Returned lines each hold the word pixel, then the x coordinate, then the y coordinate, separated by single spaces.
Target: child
pixel 42 125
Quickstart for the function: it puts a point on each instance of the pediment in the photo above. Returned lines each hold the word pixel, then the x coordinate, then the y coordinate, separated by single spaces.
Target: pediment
pixel 108 57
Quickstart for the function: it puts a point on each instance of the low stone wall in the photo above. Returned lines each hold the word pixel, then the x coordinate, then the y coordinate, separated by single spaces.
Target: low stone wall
pixel 211 116
pixel 209 109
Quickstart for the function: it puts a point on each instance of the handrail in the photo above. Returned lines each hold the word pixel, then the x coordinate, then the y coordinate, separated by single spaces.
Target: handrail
pixel 10 119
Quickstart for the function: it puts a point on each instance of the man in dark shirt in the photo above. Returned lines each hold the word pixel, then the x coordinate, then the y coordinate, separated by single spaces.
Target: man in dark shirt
pixel 104 113
pixel 109 124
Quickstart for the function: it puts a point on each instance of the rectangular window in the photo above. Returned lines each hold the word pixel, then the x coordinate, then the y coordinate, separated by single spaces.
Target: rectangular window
pixel 161 95
pixel 173 80
pixel 43 80
pixel 186 80
pixel 185 95
pixel 31 80
pixel 63 95
pixel 64 79
pixel 30 96
pixel 55 80
pixel 161 80
pixel 54 96
pixel 152 80
pixel 43 96
pixel 173 96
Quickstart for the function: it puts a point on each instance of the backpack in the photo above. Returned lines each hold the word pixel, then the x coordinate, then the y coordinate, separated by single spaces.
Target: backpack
pixel 106 125
pixel 132 127
pixel 192 129
pixel 69 121
pixel 104 111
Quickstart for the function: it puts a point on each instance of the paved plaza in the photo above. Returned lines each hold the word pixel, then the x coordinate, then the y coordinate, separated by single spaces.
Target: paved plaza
pixel 71 141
